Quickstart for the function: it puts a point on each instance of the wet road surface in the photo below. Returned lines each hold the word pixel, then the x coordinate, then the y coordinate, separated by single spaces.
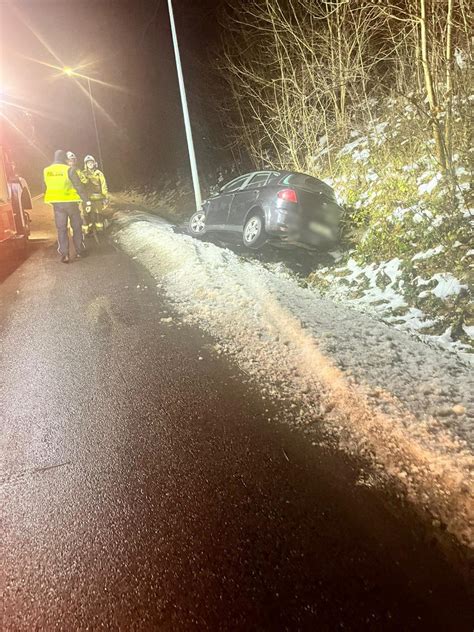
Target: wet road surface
pixel 145 486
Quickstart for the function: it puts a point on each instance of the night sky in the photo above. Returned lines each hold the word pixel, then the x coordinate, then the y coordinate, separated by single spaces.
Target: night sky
pixel 128 44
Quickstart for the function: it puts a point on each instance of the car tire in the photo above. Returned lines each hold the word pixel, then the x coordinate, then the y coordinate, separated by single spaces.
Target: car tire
pixel 197 224
pixel 21 247
pixel 254 235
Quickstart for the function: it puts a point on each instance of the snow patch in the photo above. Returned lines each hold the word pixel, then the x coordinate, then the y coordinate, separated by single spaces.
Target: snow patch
pixel 428 187
pixel 447 285
pixel 427 254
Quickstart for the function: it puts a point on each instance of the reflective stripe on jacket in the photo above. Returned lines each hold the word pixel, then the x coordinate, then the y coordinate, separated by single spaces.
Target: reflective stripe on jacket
pixel 59 187
pixel 82 176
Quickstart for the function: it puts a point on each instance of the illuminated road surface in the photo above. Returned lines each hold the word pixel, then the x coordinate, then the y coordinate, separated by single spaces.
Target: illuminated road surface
pixel 145 486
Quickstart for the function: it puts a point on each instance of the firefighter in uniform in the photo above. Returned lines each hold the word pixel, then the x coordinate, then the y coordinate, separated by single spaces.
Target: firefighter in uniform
pixel 64 190
pixel 72 162
pixel 97 191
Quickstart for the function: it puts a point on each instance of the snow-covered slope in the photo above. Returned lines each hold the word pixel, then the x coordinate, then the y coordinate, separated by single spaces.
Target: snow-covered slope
pixel 398 292
pixel 405 405
pixel 410 229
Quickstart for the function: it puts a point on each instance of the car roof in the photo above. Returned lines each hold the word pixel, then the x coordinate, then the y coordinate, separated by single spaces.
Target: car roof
pixel 281 172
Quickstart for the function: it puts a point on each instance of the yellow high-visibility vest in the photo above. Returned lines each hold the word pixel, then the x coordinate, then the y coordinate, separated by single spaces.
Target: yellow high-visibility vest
pixel 58 186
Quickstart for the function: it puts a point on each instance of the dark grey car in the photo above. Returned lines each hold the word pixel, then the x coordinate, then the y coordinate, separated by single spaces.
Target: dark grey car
pixel 293 208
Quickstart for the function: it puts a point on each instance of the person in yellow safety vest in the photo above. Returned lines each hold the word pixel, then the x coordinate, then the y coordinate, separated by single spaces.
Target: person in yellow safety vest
pixel 64 190
pixel 97 191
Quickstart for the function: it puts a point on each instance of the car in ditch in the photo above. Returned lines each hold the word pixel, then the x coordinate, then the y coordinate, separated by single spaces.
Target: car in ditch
pixel 293 209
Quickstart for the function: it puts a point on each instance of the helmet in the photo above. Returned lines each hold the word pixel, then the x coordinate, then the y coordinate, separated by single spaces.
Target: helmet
pixel 71 158
pixel 90 159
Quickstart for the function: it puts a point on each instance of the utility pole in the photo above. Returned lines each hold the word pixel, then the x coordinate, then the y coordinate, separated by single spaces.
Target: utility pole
pixel 184 104
pixel 70 72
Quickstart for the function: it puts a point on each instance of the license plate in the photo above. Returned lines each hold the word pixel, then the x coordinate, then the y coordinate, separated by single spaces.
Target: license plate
pixel 316 227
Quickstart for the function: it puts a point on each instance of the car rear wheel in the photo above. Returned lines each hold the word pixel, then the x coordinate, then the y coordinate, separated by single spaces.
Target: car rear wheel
pixel 197 224
pixel 254 234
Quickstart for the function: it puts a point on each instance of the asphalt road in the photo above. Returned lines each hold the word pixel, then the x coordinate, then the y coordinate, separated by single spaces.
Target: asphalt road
pixel 146 487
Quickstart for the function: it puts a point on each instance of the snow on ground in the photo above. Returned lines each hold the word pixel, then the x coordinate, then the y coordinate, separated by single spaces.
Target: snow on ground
pixel 358 286
pixel 383 395
pixel 428 187
pixel 446 285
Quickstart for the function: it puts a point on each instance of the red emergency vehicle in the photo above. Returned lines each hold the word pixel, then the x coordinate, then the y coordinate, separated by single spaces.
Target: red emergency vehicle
pixel 15 201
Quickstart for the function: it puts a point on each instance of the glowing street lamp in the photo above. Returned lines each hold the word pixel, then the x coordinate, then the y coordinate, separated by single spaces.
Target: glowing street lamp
pixel 70 72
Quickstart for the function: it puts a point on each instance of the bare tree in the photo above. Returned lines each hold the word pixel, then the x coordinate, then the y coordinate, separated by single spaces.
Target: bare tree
pixel 300 70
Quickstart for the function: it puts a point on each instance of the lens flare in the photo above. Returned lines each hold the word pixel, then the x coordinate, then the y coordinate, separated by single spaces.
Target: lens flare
pixel 22 134
pixel 28 110
pixel 63 69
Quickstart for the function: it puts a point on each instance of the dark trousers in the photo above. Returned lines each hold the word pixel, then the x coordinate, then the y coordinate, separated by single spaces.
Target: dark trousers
pixel 64 211
pixel 94 217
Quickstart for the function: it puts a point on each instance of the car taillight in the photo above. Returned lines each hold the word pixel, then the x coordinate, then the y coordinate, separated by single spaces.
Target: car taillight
pixel 289 195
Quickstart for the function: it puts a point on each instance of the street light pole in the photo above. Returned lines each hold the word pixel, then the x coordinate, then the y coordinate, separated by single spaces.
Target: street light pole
pixel 95 124
pixel 70 72
pixel 184 103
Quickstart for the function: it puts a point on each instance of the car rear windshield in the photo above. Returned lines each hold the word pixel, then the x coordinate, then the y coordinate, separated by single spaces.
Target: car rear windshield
pixel 308 183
